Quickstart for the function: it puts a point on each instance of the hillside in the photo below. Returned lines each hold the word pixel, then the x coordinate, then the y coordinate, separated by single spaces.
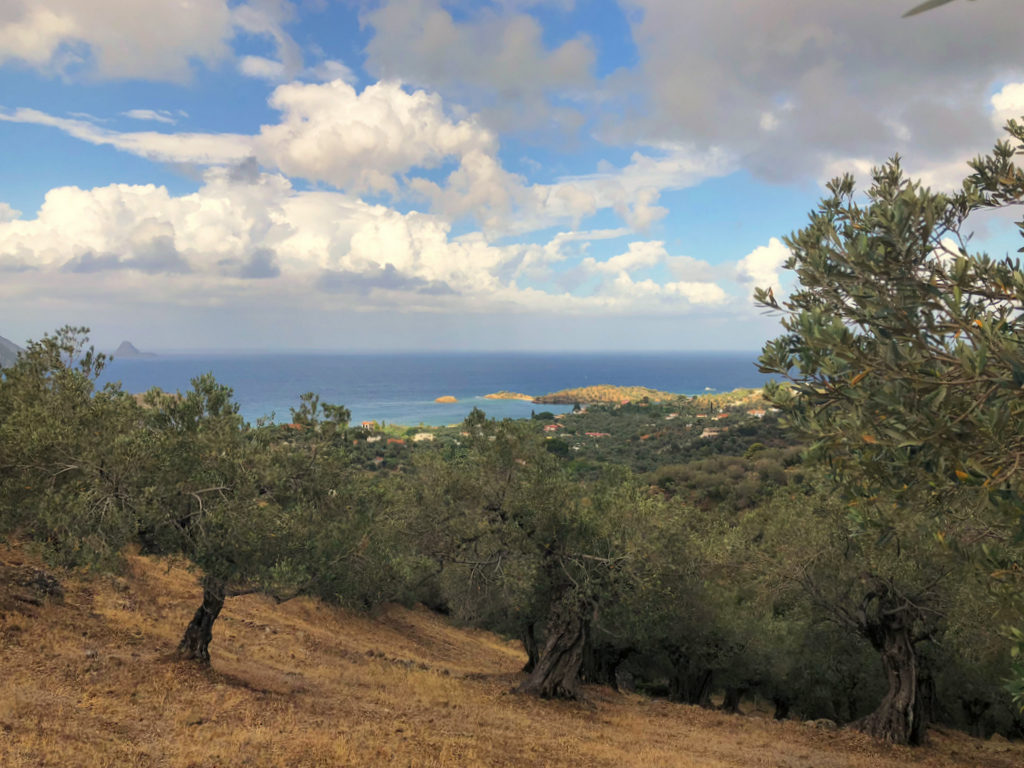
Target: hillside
pixel 88 679
pixel 9 352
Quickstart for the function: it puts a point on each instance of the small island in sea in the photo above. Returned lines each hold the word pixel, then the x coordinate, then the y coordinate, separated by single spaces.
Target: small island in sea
pixel 445 399
pixel 506 395
pixel 127 349
pixel 9 352
pixel 606 393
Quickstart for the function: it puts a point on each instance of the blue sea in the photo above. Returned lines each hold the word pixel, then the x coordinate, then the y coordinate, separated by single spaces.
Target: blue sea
pixel 401 388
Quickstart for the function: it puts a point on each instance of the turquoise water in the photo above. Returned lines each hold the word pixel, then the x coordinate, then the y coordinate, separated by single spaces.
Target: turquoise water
pixel 401 388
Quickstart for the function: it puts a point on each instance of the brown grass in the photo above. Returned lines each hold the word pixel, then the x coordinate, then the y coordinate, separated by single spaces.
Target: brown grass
pixel 91 681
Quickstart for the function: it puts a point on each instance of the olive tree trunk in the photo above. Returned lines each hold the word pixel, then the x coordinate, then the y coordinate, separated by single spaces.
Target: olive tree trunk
pixel 601 662
pixel 529 638
pixel 782 705
pixel 900 718
pixel 557 672
pixel 974 711
pixel 195 645
pixel 689 683
pixel 731 700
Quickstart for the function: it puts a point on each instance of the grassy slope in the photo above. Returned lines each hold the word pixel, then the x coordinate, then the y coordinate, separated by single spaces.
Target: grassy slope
pixel 90 682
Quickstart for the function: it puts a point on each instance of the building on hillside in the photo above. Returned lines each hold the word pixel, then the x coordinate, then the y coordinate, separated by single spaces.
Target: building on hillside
pixel 423 437
pixel 374 438
pixel 709 433
pixel 552 427
pixel 757 413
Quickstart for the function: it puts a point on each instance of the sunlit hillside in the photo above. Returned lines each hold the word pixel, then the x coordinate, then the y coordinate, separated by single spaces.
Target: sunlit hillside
pixel 89 679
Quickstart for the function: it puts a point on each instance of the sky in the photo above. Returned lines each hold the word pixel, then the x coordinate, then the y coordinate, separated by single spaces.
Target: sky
pixel 242 175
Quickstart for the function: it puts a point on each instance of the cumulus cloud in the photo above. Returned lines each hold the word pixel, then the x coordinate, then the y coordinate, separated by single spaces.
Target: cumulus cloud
pixel 491 50
pixel 359 141
pixel 309 248
pixel 328 132
pixel 372 140
pixel 506 203
pixel 153 40
pixel 760 268
pixel 1008 104
pixel 640 255
pixel 7 213
pixel 790 92
pixel 115 38
pixel 267 18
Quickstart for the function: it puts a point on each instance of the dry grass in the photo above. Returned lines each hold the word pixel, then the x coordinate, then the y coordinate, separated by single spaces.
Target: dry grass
pixel 91 681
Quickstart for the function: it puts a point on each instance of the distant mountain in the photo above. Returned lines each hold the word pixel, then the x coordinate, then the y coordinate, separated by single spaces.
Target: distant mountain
pixel 9 352
pixel 127 349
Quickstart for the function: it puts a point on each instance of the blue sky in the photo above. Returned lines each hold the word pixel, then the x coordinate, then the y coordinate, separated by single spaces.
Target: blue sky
pixel 448 174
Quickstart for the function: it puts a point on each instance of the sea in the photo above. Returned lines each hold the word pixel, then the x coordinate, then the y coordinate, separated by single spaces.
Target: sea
pixel 402 388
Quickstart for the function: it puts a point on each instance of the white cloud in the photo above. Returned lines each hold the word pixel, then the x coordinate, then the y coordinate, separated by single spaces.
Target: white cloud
pixel 306 249
pixel 484 52
pixel 267 18
pixel 359 141
pixel 760 268
pixel 328 70
pixel 159 116
pixel 201 148
pixel 689 268
pixel 1008 104
pixel 262 68
pixel 646 292
pixel 7 213
pixel 505 203
pixel 640 255
pixel 364 141
pixel 328 132
pixel 157 39
pixel 719 75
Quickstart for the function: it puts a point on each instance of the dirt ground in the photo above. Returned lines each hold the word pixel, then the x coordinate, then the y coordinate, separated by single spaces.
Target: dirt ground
pixel 88 678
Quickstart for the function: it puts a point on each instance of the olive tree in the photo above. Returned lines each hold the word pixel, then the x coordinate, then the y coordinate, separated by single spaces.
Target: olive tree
pixel 904 355
pixel 68 459
pixel 520 547
pixel 205 499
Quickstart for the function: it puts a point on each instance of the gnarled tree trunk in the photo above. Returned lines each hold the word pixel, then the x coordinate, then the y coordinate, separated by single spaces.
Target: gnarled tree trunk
pixel 530 646
pixel 781 707
pixel 689 683
pixel 601 663
pixel 974 710
pixel 731 699
pixel 557 672
pixel 195 645
pixel 900 718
